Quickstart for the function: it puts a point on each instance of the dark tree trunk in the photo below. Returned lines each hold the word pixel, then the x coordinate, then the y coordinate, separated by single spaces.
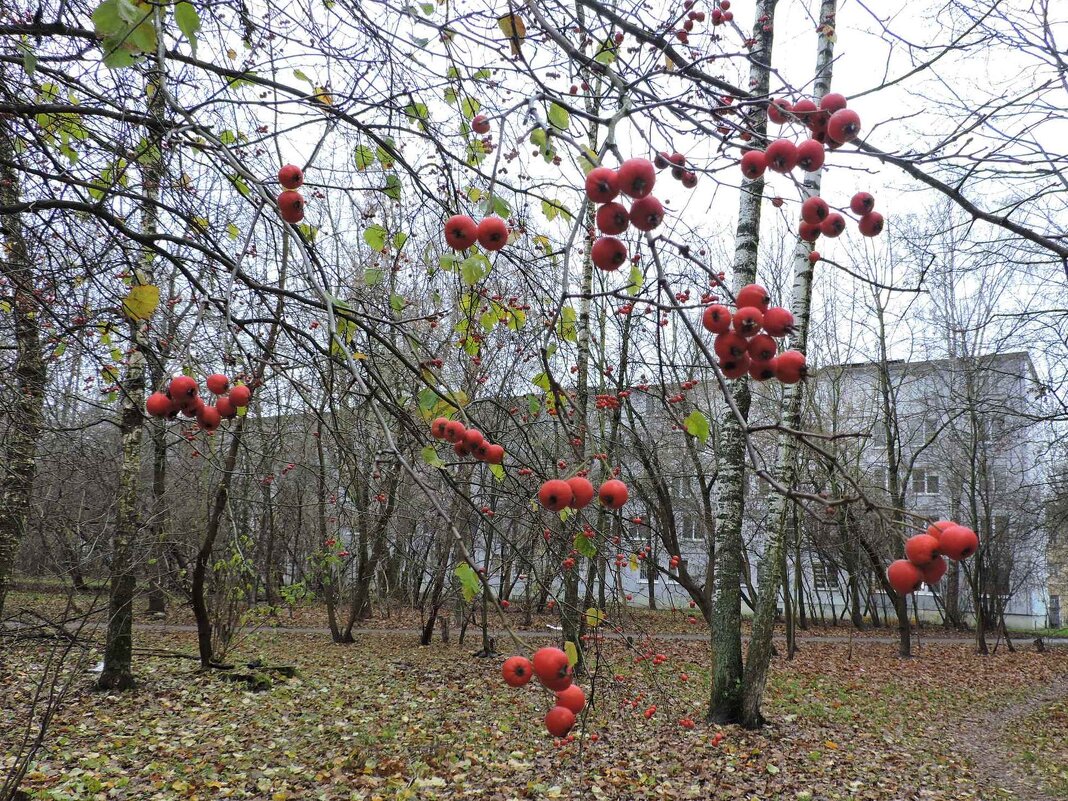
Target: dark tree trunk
pixel 25 412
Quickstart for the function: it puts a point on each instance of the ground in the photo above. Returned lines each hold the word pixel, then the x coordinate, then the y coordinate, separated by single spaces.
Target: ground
pixel 386 719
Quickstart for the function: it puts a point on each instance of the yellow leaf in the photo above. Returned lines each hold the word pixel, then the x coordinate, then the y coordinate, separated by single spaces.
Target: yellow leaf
pixel 831 744
pixel 594 617
pixel 633 562
pixel 572 653
pixel 514 28
pixel 322 96
pixel 142 302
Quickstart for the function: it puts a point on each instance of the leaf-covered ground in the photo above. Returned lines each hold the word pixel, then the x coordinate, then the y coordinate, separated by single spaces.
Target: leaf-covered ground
pixel 386 719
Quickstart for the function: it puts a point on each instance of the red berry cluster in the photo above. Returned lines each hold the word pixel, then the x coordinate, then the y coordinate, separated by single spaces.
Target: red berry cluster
pixel 925 561
pixel 553 670
pixel 182 395
pixel 607 401
pixel 817 218
pixel 723 13
pixel 290 201
pixel 635 179
pixel 677 162
pixel 466 441
pixel 693 17
pixel 740 344
pixel 556 494
pixel 831 122
pixel 461 232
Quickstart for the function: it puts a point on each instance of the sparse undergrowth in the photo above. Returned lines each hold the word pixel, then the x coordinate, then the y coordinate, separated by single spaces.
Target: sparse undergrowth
pixel 1040 741
pixel 385 719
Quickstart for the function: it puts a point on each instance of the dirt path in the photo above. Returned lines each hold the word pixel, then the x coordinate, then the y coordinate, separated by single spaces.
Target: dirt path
pixel 983 740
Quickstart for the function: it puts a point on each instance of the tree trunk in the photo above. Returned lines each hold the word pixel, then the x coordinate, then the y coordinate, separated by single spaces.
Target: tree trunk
pixel 725 705
pixel 118 649
pixel 759 653
pixel 25 412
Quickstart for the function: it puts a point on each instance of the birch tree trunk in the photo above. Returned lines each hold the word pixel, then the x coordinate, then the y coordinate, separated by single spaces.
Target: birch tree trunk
pixel 118 649
pixel 758 656
pixel 725 705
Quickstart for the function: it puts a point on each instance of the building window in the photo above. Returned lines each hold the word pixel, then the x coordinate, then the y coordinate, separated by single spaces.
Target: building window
pixel 681 486
pixel 878 434
pixel 647 569
pixel 929 428
pixel 689 528
pixel 824 576
pixel 924 481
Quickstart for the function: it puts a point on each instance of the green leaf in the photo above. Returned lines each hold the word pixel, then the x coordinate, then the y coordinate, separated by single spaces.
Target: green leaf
pixel 397 303
pixel 539 138
pixel 498 471
pixel 636 278
pixel 541 380
pixel 696 425
pixel 587 160
pixel 568 326
pixel 240 184
pixel 373 277
pixel 469 582
pixel 572 653
pixel 476 152
pixel 559 117
pixel 29 59
pixel 427 8
pixel 470 107
pixel 430 456
pixel 185 14
pixel 554 208
pixel 533 405
pixel 585 545
pixel 375 237
pixel 392 189
pixel 427 400
pixel 418 112
pixel 399 239
pixel 450 95
pixel 499 206
pixel 607 54
pixel 301 76
pixel 141 303
pixel 233 231
pixel 385 153
pixel 474 269
pixel 363 156
pixel 517 318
